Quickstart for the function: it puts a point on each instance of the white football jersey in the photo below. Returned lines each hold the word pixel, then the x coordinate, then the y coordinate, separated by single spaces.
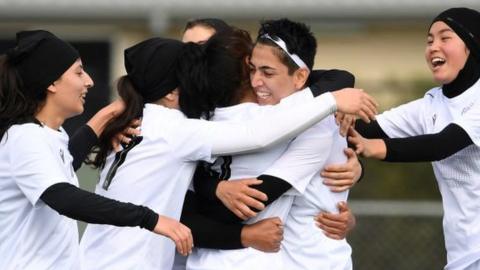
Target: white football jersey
pixel 307 154
pixel 458 176
pixel 33 235
pixel 157 172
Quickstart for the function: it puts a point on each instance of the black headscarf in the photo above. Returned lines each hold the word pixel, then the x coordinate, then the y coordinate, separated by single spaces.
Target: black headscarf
pixel 465 23
pixel 151 65
pixel 40 58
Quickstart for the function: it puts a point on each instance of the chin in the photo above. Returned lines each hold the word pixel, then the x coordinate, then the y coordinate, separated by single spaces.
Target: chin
pixel 442 80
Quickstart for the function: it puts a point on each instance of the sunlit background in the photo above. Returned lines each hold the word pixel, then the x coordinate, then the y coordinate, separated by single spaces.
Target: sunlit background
pixel 382 42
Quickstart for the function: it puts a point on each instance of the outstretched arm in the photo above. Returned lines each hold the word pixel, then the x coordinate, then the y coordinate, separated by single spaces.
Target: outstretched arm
pixel 429 147
pixel 259 134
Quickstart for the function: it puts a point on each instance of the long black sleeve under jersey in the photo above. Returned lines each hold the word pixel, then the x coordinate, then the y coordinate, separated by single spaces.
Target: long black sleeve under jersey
pixel 75 203
pixel 80 145
pixel 428 147
pixel 322 81
pixel 209 232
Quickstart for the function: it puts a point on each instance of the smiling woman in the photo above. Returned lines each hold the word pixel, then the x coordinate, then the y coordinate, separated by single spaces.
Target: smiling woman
pixel 442 127
pixel 42 83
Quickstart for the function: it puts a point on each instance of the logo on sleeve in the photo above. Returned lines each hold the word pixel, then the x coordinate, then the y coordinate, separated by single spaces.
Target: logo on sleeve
pixel 466 109
pixel 434 119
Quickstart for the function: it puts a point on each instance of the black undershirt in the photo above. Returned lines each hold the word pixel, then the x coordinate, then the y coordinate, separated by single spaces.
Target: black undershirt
pixel 428 147
pixel 80 145
pixel 89 207
pixel 75 203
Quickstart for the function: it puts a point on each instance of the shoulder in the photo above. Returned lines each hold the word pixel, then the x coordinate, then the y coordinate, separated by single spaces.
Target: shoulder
pixel 433 93
pixel 28 132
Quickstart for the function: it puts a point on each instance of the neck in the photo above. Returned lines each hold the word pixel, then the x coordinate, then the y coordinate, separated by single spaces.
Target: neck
pixel 467 77
pixel 50 117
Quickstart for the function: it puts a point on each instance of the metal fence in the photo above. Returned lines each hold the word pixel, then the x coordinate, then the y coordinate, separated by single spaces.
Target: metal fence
pixel 397 235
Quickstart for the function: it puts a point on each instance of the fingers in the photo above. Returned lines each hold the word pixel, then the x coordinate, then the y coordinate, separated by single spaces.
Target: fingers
pixel 339 117
pixel 332 176
pixel 180 234
pixel 181 242
pixel 343 207
pixel 347 122
pixel 256 194
pixel 136 123
pixel 347 181
pixel 334 225
pixel 250 202
pixel 130 131
pixel 349 151
pixel 364 116
pixel 244 212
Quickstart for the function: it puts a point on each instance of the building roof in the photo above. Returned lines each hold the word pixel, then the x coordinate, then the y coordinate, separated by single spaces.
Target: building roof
pixel 159 12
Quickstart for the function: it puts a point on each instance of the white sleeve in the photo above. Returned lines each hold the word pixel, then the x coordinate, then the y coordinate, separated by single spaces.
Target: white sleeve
pixel 404 120
pixel 470 122
pixel 33 165
pixel 279 124
pixel 305 156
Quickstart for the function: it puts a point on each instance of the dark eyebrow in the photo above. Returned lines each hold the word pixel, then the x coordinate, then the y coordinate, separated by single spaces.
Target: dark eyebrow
pixel 442 31
pixel 446 30
pixel 266 67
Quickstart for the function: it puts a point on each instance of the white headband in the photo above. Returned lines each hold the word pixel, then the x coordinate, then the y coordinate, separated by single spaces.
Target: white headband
pixel 282 45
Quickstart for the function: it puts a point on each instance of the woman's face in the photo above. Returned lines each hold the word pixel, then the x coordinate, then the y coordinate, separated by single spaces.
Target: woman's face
pixel 269 77
pixel 445 53
pixel 69 91
pixel 198 34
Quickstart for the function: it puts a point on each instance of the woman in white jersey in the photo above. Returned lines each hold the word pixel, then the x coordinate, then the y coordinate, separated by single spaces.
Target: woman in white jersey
pixel 341 175
pixel 156 168
pixel 42 83
pixel 305 155
pixel 443 127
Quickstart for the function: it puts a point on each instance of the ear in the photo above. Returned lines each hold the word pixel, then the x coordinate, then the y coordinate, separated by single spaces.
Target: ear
pixel 300 77
pixel 172 96
pixel 52 88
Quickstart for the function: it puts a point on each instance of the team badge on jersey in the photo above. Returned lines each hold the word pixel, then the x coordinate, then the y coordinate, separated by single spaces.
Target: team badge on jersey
pixel 62 156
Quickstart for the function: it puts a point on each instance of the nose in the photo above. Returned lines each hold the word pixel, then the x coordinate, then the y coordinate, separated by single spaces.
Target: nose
pixel 434 45
pixel 255 79
pixel 88 80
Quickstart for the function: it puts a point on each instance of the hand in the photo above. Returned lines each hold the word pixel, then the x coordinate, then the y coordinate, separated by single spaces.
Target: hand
pixel 340 177
pixel 370 148
pixel 264 235
pixel 104 115
pixel 238 197
pixel 356 101
pixel 126 134
pixel 345 121
pixel 336 226
pixel 179 233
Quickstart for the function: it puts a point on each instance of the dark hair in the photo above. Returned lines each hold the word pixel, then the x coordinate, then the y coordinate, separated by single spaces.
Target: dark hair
pixel 17 106
pixel 133 109
pixel 209 75
pixel 297 36
pixel 216 24
pixel 214 74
